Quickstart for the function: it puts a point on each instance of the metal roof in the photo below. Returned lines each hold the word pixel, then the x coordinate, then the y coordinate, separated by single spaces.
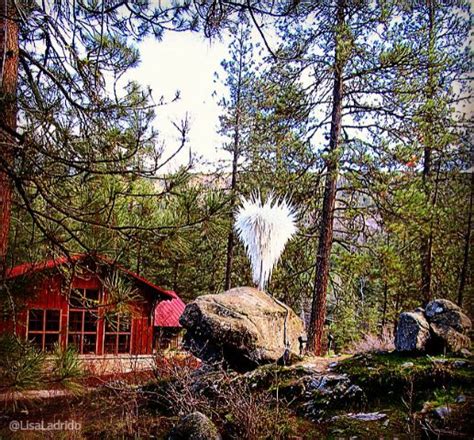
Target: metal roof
pixel 168 312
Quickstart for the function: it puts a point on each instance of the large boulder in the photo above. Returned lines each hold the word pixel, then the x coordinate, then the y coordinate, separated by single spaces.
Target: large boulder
pixel 439 306
pixel 446 313
pixel 447 339
pixel 243 327
pixel 413 332
pixel 194 426
pixel 441 327
pixel 454 319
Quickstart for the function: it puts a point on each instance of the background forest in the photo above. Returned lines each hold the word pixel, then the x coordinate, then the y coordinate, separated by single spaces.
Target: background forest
pixel 358 111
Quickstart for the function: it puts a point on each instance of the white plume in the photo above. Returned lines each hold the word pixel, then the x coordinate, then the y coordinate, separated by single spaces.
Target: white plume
pixel 265 229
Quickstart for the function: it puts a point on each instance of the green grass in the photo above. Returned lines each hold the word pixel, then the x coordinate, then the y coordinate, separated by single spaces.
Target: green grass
pixel 389 372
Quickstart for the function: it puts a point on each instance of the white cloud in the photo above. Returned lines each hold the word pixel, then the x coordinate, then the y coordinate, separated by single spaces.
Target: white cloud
pixel 184 62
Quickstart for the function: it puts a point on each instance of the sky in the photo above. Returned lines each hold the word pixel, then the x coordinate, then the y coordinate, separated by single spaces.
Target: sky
pixel 185 62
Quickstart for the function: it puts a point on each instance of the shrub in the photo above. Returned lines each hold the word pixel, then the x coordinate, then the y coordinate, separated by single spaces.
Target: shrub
pixel 374 343
pixel 67 368
pixel 254 414
pixel 243 413
pixel 21 364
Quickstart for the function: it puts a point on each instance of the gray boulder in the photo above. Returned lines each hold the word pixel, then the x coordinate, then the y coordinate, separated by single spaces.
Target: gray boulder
pixel 243 327
pixel 442 412
pixel 441 327
pixel 454 319
pixel 413 332
pixel 446 339
pixel 439 306
pixel 194 426
pixel 446 313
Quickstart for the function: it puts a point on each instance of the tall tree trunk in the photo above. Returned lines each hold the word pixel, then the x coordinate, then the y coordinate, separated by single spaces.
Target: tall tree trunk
pixel 233 185
pixel 467 246
pixel 426 247
pixel 230 238
pixel 427 238
pixel 384 308
pixel 8 118
pixel 385 294
pixel 318 306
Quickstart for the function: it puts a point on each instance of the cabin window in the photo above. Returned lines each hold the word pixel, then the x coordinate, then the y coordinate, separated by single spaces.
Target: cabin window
pixel 43 328
pixel 117 334
pixel 83 330
pixel 84 298
pixel 83 320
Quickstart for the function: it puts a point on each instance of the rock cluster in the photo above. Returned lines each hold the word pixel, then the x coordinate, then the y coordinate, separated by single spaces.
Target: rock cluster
pixel 243 327
pixel 330 392
pixel 441 327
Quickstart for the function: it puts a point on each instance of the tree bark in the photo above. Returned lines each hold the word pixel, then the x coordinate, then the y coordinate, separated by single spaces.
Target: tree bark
pixel 467 247
pixel 385 293
pixel 230 238
pixel 8 118
pixel 318 306
pixel 427 238
pixel 233 184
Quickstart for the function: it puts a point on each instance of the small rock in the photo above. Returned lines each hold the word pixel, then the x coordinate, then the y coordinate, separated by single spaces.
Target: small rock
pixel 194 426
pixel 407 364
pixel 333 364
pixel 329 392
pixel 460 399
pixel 460 364
pixel 367 417
pixel 442 412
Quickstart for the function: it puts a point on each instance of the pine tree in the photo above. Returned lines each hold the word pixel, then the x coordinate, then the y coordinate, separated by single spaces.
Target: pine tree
pixel 9 31
pixel 65 63
pixel 236 123
pixel 347 60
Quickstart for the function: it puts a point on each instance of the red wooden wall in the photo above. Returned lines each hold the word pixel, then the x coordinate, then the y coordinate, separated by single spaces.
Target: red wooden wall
pixel 47 294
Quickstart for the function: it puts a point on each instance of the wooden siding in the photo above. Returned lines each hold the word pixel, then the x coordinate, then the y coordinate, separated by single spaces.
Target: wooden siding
pixel 47 294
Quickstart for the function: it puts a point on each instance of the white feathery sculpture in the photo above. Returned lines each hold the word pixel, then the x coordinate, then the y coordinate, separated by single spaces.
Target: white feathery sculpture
pixel 264 229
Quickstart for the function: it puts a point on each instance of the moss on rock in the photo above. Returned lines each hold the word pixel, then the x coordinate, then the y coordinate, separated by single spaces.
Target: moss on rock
pixel 380 373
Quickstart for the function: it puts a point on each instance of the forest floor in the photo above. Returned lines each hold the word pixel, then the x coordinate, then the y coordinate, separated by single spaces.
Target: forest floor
pixel 406 393
pixel 91 384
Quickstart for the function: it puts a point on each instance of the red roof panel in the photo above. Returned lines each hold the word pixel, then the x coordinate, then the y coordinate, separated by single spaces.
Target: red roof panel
pixel 168 312
pixel 29 268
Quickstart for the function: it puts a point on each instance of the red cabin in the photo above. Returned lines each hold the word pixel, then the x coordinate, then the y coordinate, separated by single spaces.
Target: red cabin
pixel 93 303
